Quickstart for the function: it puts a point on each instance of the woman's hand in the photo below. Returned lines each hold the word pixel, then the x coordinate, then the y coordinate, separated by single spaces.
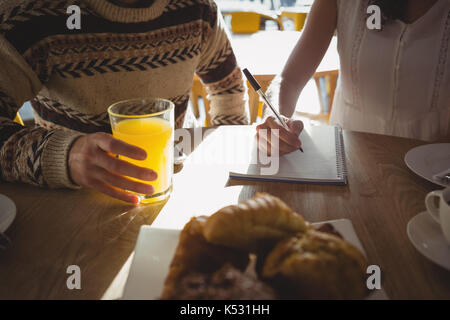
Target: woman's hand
pixel 92 164
pixel 288 141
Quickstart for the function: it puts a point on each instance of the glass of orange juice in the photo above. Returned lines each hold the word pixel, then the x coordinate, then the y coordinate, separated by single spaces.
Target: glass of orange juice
pixel 148 124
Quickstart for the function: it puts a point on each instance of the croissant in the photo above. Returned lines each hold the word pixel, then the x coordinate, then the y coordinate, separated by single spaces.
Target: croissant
pixel 316 265
pixel 195 254
pixel 250 224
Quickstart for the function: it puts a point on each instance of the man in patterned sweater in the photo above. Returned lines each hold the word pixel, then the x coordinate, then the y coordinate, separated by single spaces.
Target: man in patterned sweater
pixel 124 49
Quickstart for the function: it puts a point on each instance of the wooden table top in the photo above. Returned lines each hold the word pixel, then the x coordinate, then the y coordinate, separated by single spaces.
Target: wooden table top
pixel 57 228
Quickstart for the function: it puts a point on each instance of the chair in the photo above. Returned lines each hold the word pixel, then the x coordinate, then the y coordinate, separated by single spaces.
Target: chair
pixel 199 91
pixel 254 103
pixel 326 82
pixel 251 22
pixel 18 119
pixel 297 17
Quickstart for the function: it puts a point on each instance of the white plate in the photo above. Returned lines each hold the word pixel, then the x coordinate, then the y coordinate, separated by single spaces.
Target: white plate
pixel 155 248
pixel 428 160
pixel 426 235
pixel 7 212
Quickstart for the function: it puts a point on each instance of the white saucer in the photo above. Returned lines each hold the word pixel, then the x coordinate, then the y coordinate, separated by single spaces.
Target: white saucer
pixel 428 160
pixel 426 235
pixel 7 212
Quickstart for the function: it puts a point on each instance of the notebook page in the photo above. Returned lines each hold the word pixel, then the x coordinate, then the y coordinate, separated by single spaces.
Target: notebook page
pixel 317 163
pixel 319 159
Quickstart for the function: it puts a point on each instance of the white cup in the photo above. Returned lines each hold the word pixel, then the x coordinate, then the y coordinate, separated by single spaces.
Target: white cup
pixel 441 212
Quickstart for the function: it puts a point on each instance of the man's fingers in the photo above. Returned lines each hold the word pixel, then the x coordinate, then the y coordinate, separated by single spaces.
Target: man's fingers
pixel 115 193
pixel 123 167
pixel 123 183
pixel 109 144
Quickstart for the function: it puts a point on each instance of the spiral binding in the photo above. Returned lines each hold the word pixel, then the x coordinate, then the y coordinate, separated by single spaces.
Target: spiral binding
pixel 340 154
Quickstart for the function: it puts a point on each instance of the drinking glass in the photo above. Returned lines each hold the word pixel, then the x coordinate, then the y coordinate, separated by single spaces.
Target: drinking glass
pixel 149 124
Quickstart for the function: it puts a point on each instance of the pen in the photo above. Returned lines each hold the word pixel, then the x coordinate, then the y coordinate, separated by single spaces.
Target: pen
pixel 258 90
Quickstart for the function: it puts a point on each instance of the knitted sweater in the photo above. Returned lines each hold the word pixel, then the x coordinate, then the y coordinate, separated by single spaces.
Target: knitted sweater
pixel 72 76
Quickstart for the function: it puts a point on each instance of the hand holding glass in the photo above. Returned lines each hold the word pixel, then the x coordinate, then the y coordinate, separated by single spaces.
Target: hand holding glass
pixel 148 124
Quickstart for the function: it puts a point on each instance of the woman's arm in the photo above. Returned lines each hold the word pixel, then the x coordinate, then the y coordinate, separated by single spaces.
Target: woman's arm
pixel 306 56
pixel 300 67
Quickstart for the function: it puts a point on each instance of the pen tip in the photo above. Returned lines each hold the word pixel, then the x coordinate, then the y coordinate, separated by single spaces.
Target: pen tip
pixel 301 149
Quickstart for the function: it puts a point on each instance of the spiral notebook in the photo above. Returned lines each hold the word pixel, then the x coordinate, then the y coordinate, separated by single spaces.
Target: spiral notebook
pixel 322 162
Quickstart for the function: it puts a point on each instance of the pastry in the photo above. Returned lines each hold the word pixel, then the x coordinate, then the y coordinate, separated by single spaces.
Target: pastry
pixel 316 265
pixel 249 225
pixel 195 254
pixel 228 283
pixel 329 228
pixel 290 259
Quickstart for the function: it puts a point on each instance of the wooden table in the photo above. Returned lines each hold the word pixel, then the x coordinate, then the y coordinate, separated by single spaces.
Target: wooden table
pixel 58 228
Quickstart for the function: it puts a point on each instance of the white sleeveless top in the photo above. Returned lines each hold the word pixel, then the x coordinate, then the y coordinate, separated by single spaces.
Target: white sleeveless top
pixel 395 81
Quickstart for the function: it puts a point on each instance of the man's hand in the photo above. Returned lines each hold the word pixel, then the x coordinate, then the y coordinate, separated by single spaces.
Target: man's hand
pixel 288 141
pixel 92 163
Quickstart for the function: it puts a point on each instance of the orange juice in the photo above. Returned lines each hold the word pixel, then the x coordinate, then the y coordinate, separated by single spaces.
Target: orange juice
pixel 155 136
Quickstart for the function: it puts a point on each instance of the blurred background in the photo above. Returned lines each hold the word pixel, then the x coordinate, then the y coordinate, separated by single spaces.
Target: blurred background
pixel 262 4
